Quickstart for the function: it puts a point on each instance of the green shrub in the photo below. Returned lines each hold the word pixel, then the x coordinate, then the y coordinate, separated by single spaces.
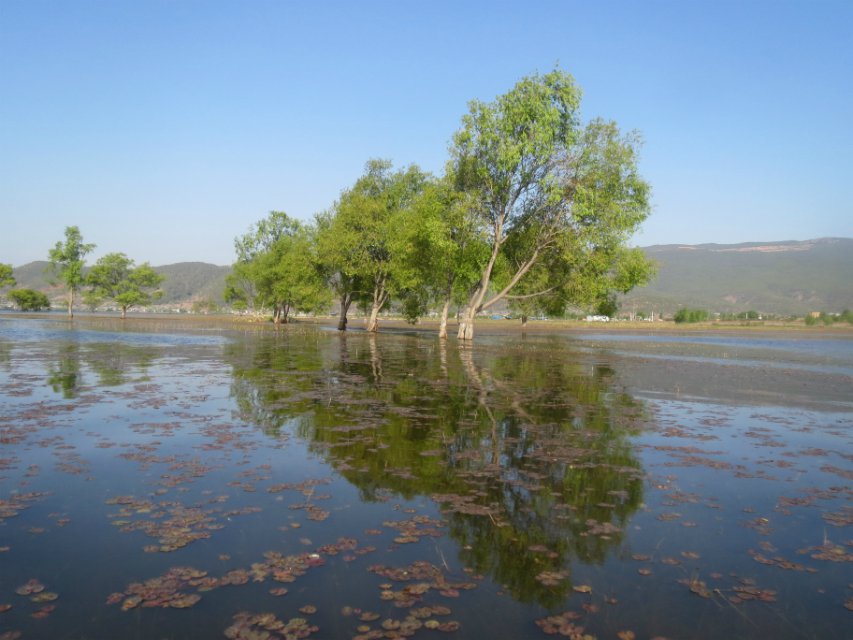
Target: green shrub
pixel 691 315
pixel 29 300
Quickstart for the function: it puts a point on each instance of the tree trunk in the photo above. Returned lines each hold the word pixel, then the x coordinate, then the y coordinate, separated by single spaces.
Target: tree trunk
pixel 373 320
pixel 466 323
pixel 346 301
pixel 442 325
pixel 71 301
pixel 380 297
pixel 475 302
pixel 124 313
pixel 523 319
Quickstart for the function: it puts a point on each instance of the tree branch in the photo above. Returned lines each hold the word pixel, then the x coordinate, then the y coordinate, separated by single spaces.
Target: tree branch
pixel 514 281
pixel 533 295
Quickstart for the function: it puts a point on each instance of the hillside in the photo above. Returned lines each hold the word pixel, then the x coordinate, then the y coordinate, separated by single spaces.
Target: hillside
pixel 190 281
pixel 778 277
pixel 784 278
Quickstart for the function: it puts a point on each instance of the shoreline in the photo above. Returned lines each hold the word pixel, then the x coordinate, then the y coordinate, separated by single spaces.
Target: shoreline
pixel 483 326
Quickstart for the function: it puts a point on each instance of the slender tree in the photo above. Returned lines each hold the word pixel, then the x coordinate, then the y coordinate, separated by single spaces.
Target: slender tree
pixel 67 260
pixel 549 191
pixel 337 270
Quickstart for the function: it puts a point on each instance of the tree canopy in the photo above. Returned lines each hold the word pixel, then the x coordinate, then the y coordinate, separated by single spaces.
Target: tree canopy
pixel 557 200
pixel 277 267
pixel 29 300
pixel 114 277
pixel 356 240
pixel 440 248
pixel 6 277
pixel 67 260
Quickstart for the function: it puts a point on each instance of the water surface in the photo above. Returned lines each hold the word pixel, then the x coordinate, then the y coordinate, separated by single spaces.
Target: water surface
pixel 161 482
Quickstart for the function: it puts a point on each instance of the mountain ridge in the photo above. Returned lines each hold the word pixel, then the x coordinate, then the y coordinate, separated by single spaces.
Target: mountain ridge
pixel 780 277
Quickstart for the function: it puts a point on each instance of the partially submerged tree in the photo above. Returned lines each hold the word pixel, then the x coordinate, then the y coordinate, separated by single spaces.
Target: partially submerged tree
pixel 558 201
pixel 356 241
pixel 67 260
pixel 114 277
pixel 439 248
pixel 337 271
pixel 242 283
pixel 277 267
pixel 289 278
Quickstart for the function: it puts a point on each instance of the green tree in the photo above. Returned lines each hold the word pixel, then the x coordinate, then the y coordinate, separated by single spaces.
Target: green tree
pixel 440 248
pixel 6 277
pixel 548 191
pixel 67 260
pixel 242 284
pixel 356 242
pixel 29 300
pixel 277 267
pixel 114 277
pixel 240 290
pixel 336 268
pixel 288 275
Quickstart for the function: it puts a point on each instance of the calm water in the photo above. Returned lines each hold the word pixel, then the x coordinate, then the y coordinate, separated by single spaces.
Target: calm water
pixel 172 483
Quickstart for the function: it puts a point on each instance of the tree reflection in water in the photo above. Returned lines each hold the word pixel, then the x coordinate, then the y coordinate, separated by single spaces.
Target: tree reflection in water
pixel 112 363
pixel 526 447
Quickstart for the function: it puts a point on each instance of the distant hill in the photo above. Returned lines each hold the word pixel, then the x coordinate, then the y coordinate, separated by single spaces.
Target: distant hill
pixel 783 278
pixel 190 281
pixel 33 275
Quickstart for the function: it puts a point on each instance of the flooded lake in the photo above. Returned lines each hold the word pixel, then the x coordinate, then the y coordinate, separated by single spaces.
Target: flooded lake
pixel 174 480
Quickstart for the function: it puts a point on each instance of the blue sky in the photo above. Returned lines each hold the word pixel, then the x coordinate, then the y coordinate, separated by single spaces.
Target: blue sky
pixel 164 129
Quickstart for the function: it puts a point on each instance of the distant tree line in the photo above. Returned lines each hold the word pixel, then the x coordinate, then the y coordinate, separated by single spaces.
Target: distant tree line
pixel 114 278
pixel 691 315
pixel 829 318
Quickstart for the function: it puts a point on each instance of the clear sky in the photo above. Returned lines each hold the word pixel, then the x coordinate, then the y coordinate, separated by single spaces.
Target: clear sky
pixel 163 129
